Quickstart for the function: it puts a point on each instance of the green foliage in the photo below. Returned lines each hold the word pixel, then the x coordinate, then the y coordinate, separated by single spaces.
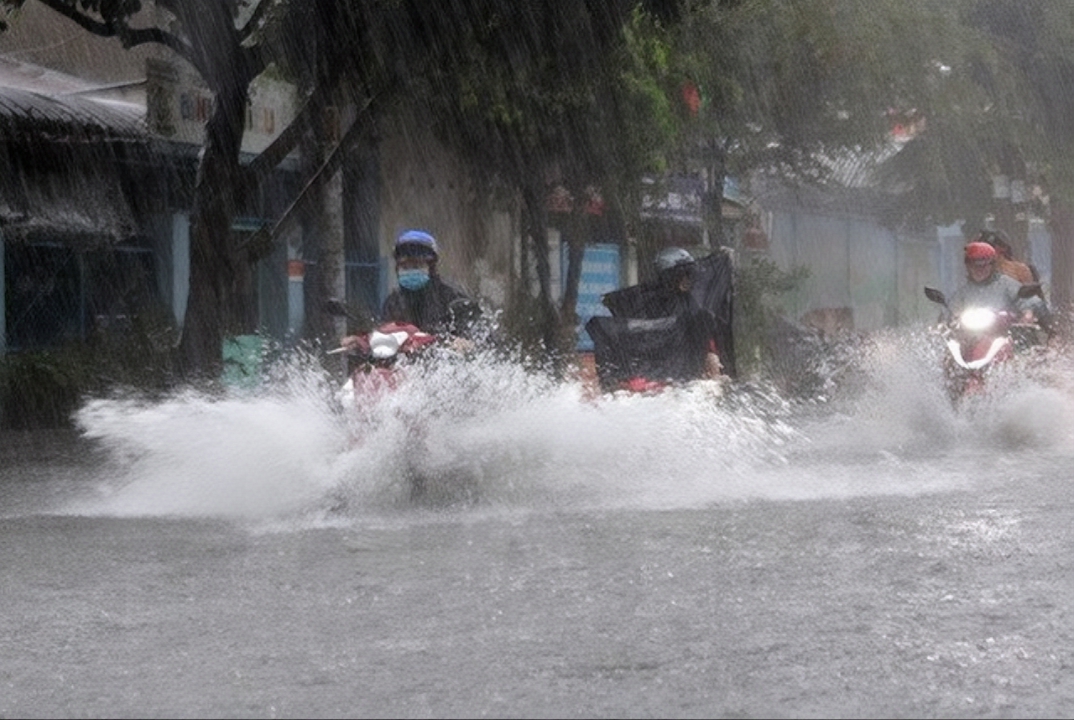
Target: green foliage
pixel 994 99
pixel 652 127
pixel 1027 79
pixel 785 83
pixel 524 91
pixel 43 388
pixel 40 389
pixel 759 283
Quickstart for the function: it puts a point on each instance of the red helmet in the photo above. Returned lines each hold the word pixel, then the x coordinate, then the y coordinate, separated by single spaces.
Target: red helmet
pixel 980 251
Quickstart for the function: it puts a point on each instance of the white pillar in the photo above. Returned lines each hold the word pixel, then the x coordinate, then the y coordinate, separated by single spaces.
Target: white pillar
pixel 180 275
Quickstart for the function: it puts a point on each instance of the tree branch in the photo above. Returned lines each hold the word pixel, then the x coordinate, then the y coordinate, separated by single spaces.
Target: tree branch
pixel 87 23
pixel 130 37
pixel 286 141
pixel 254 58
pixel 254 19
pixel 266 237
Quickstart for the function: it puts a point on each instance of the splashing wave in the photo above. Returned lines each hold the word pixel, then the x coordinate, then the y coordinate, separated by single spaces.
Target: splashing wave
pixel 486 433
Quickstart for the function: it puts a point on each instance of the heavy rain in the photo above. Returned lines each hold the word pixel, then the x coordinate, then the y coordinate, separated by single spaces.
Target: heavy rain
pixel 607 358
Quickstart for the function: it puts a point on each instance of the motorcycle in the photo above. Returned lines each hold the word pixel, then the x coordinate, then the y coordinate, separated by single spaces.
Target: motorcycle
pixel 374 361
pixel 980 339
pixel 378 363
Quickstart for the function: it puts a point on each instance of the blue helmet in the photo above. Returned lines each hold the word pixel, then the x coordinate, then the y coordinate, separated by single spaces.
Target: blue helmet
pixel 417 243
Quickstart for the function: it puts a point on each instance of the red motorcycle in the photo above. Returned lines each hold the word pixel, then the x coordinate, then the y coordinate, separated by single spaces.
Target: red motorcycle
pixel 979 339
pixel 374 361
pixel 379 362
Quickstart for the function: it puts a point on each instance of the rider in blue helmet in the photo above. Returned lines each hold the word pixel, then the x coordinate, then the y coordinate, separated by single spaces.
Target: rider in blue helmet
pixel 423 298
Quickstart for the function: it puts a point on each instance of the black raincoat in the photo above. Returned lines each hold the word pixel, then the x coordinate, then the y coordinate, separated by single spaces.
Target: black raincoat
pixel 663 335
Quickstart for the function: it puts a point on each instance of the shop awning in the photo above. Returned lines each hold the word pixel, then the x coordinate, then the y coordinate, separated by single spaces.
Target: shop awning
pixel 84 206
pixel 59 169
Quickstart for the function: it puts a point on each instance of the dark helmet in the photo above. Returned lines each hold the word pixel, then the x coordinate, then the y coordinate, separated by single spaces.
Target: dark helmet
pixel 416 243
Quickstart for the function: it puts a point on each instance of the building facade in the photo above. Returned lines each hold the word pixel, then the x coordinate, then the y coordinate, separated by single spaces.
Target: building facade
pixel 156 107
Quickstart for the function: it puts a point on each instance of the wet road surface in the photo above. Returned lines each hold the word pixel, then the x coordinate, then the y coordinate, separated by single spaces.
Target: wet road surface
pixel 888 560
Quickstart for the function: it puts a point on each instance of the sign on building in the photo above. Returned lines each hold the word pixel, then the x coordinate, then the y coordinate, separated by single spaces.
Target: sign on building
pixel 600 275
pixel 178 104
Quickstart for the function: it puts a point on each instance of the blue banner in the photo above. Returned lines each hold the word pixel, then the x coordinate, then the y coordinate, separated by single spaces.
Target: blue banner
pixel 600 275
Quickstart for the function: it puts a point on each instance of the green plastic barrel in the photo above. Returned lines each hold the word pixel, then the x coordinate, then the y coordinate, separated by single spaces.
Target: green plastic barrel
pixel 242 361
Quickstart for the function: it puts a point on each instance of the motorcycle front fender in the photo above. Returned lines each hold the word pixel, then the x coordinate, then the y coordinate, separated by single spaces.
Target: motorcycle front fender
pixel 997 346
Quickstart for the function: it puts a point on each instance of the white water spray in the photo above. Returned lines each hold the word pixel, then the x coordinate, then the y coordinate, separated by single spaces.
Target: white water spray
pixel 487 434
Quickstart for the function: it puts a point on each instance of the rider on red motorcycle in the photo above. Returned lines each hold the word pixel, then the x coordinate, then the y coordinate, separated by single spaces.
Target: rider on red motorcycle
pixel 988 288
pixel 990 318
pixel 658 334
pixel 672 298
pixel 423 299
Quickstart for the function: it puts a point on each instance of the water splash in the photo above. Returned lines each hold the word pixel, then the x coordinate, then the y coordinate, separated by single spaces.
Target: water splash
pixel 486 433
pixel 900 408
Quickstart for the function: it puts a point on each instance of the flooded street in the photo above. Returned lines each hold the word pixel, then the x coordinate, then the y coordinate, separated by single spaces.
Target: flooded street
pixel 882 558
pixel 617 358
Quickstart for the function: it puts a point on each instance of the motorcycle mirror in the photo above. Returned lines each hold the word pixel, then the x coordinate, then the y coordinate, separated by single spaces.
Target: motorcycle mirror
pixel 1029 290
pixel 935 296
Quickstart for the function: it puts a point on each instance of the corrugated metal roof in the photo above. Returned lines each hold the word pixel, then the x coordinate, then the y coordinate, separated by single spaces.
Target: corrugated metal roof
pixel 33 98
pixel 27 76
pixel 852 169
pixel 47 192
pixel 27 110
pixel 83 204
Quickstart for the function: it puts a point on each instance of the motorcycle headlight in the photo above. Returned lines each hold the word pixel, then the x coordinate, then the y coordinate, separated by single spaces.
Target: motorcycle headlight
pixel 977 319
pixel 385 345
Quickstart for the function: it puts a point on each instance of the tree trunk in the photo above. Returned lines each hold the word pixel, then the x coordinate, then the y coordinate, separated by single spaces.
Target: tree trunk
pixel 226 66
pixel 538 232
pixel 1011 212
pixel 714 205
pixel 323 243
pixel 575 253
pixel 212 266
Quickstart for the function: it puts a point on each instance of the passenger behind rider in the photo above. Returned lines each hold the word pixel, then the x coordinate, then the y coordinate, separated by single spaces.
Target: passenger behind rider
pixel 987 287
pixel 1005 262
pixel 423 298
pixel 674 277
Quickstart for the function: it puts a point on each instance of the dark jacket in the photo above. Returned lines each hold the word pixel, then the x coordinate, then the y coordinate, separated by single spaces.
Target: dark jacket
pixel 430 308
